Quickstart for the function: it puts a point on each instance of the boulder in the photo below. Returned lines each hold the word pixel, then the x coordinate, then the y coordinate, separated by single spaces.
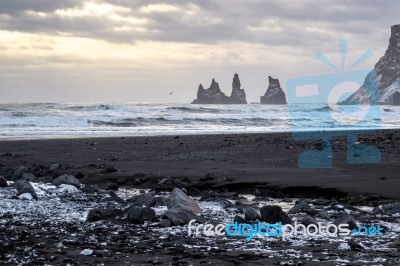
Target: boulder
pixel 346 219
pixel 274 214
pixel 102 214
pixel 251 214
pixel 178 200
pixel 323 214
pixel 67 180
pixel 139 215
pixel 38 170
pixel 274 93
pixel 17 172
pixel 109 186
pixel 3 182
pixel 181 217
pixel 300 207
pixel 391 208
pixel 307 220
pixel 143 200
pixel 23 186
pixel 90 189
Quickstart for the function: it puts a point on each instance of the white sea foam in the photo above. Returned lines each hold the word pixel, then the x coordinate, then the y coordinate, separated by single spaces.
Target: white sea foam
pixel 79 120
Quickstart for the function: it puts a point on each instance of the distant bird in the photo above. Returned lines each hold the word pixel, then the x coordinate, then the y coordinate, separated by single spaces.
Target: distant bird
pixel 171 92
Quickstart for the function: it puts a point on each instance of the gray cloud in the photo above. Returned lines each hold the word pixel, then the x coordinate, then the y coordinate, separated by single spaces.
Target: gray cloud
pixel 237 20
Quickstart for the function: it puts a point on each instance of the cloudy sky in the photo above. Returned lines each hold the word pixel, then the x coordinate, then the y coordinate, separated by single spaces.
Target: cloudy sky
pixel 134 51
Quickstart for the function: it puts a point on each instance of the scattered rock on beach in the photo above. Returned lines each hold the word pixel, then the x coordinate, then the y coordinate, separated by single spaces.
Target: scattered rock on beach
pixel 102 214
pixel 109 186
pixel 182 217
pixel 307 220
pixel 274 214
pixel 178 200
pixel 347 219
pixel 251 214
pixel 23 187
pixel 300 207
pixel 67 180
pixel 139 215
pixel 3 182
pixel 390 208
pixel 17 172
pixel 143 200
pixel 38 170
pixel 90 189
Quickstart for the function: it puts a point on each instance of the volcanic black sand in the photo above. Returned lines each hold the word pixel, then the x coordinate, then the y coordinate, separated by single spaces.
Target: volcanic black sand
pixel 239 161
pixel 225 174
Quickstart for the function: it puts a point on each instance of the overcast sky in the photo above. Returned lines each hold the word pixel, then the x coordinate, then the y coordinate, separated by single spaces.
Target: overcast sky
pixel 135 51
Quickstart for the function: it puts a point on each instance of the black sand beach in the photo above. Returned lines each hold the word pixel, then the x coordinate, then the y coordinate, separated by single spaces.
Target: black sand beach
pixel 240 161
pixel 229 176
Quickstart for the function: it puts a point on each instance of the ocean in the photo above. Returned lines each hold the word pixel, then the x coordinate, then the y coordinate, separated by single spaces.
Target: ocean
pixel 54 120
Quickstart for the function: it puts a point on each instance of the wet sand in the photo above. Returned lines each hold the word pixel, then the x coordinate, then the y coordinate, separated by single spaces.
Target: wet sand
pixel 238 161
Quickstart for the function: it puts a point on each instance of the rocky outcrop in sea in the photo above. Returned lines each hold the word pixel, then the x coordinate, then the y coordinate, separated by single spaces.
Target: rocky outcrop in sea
pixel 214 95
pixel 386 74
pixel 274 93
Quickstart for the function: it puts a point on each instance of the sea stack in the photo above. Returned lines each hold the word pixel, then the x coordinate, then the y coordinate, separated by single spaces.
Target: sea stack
pixel 386 73
pixel 274 93
pixel 214 95
pixel 238 95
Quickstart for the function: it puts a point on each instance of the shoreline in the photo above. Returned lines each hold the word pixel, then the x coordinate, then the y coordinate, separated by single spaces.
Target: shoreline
pixel 238 161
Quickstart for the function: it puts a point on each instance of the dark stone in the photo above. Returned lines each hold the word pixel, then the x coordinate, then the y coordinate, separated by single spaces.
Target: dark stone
pixel 3 182
pixel 139 215
pixel 240 220
pixel 194 192
pixel 396 98
pixel 146 200
pixel 161 201
pixel 300 207
pixel 90 189
pixel 163 223
pixel 182 217
pixel 391 208
pixel 307 220
pixel 102 214
pixel 251 214
pixel 208 177
pixel 274 214
pixel 274 93
pixel 356 200
pixel 109 186
pixel 28 176
pixel 323 214
pixel 178 200
pixel 17 172
pixel 347 219
pixel 23 186
pixel 109 170
pixel 67 180
pixel 355 246
pixel 39 170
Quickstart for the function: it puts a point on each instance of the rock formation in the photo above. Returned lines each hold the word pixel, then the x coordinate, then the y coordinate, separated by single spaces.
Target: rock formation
pixel 214 95
pixel 386 73
pixel 238 95
pixel 274 93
